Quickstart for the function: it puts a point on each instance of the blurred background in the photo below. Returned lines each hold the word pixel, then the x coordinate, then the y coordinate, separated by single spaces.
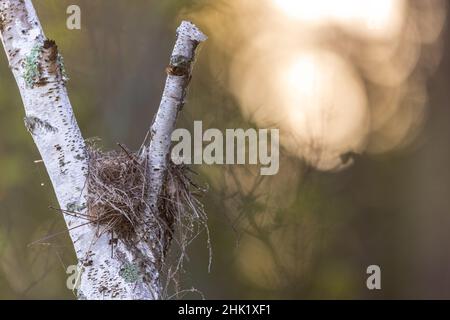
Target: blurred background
pixel 359 91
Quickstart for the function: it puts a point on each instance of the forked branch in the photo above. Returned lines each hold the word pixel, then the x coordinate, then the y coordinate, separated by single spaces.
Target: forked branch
pixel 110 270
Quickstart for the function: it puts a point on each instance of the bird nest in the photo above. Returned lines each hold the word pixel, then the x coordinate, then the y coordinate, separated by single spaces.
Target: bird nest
pixel 118 193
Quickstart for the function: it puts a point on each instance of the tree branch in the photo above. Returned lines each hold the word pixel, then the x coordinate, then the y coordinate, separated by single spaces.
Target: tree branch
pixel 173 100
pixel 35 64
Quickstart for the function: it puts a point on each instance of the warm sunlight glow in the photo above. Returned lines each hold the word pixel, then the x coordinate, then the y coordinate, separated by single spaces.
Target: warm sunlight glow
pixel 372 16
pixel 302 75
pixel 314 96
pixel 325 106
pixel 335 76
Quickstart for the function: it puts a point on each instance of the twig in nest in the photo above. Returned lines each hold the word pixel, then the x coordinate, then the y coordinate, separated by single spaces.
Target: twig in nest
pixel 131 156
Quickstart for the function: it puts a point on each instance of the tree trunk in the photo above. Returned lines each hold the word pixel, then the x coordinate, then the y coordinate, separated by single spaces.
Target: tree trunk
pixel 39 72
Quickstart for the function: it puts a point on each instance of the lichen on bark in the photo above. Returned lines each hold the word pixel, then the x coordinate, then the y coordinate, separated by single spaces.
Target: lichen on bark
pixel 32 70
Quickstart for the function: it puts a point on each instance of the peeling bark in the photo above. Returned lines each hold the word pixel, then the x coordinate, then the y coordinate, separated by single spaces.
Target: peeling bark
pixel 124 270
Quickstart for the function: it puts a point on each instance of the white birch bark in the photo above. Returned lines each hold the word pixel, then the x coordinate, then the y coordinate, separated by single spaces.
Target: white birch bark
pixel 121 271
pixel 173 100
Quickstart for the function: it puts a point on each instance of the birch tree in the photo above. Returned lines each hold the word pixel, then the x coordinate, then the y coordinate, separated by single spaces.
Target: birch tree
pixel 111 268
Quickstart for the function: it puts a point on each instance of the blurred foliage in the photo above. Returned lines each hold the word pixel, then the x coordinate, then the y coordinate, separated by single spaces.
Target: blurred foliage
pixel 299 234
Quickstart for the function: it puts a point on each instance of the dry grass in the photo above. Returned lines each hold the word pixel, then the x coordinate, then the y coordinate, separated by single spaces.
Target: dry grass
pixel 116 192
pixel 180 201
pixel 117 204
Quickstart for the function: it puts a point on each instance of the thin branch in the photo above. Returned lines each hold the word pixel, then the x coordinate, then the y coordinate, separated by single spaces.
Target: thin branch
pixel 173 99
